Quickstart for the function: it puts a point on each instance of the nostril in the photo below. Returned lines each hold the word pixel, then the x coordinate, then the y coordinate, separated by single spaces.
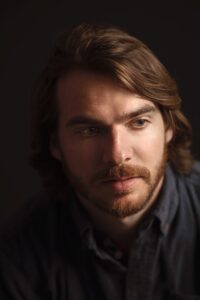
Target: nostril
pixel 127 158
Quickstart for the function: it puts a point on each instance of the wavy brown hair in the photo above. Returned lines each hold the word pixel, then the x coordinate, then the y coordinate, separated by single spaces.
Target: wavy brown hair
pixel 113 52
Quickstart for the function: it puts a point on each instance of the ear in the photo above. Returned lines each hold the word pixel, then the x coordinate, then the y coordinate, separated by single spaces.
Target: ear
pixel 54 147
pixel 168 135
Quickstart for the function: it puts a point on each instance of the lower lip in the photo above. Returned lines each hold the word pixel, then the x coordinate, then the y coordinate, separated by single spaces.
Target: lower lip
pixel 122 185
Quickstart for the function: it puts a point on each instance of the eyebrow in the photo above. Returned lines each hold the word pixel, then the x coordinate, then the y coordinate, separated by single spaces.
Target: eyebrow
pixel 141 111
pixel 81 120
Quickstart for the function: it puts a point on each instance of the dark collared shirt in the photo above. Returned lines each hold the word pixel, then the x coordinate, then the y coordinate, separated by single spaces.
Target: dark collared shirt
pixel 55 253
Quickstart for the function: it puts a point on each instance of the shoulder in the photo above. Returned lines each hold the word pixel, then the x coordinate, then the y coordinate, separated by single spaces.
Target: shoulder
pixel 193 178
pixel 36 228
pixel 35 212
pixel 32 245
pixel 191 183
pixel 189 195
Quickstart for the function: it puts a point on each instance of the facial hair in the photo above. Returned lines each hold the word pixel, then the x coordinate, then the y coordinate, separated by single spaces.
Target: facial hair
pixel 120 204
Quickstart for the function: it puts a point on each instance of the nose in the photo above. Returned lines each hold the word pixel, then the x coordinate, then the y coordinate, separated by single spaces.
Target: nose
pixel 117 149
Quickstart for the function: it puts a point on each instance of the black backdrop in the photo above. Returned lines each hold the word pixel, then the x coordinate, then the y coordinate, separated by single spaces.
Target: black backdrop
pixel 28 30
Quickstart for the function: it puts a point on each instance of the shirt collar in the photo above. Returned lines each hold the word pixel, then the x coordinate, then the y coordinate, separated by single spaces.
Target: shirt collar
pixel 167 201
pixel 79 215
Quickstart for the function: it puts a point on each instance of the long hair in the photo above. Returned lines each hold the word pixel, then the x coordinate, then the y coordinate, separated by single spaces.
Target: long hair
pixel 113 52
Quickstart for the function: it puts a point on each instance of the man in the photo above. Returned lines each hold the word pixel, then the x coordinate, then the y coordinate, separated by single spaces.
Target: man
pixel 121 216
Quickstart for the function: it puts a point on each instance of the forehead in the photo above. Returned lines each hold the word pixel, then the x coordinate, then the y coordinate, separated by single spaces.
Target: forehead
pixel 83 92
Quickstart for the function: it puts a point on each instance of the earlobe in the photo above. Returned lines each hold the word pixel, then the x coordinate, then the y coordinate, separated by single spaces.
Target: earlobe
pixel 169 135
pixel 54 148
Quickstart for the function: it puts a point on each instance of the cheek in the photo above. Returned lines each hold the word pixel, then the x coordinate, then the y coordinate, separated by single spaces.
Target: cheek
pixel 150 150
pixel 80 157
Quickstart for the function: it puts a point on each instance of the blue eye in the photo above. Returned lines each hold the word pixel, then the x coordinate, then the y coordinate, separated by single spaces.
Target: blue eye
pixel 139 123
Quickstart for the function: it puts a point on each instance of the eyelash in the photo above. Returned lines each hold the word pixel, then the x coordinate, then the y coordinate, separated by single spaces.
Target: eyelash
pixel 135 123
pixel 92 131
pixel 89 131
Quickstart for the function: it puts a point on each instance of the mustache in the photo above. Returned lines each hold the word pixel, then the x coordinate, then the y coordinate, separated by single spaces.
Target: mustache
pixel 125 170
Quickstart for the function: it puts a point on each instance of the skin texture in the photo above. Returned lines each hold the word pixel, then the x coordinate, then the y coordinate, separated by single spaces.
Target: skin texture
pixel 112 145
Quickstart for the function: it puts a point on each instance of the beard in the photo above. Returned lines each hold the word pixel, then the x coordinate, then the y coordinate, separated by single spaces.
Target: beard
pixel 125 202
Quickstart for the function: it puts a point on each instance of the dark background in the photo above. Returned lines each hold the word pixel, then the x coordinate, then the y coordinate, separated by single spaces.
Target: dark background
pixel 27 32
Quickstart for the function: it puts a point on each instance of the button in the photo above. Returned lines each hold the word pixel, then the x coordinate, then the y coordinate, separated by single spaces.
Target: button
pixel 118 254
pixel 107 242
pixel 165 228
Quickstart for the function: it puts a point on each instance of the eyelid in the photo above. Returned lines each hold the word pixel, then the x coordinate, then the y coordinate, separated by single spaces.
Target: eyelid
pixel 134 121
pixel 85 126
pixel 81 129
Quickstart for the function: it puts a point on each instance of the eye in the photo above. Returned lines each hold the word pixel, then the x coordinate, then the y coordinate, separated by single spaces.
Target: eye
pixel 139 123
pixel 88 131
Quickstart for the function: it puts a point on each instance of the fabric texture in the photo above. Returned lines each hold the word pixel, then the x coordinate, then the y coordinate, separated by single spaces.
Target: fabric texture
pixel 53 252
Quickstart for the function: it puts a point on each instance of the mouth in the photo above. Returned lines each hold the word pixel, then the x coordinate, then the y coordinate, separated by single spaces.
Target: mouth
pixel 122 183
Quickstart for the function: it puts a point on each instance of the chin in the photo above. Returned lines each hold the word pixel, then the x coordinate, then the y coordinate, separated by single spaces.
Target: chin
pixel 123 206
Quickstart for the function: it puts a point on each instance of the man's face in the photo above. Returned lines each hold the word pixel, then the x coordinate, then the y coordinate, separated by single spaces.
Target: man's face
pixel 111 143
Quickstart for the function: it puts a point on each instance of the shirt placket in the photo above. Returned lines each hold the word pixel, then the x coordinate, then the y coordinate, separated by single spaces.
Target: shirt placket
pixel 140 280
